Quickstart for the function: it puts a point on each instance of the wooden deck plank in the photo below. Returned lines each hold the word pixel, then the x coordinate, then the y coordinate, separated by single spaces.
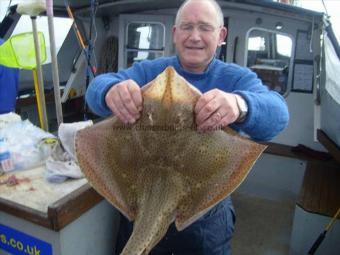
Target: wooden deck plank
pixel 320 191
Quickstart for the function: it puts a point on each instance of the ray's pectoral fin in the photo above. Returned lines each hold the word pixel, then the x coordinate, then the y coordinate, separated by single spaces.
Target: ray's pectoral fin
pixel 223 159
pixel 104 154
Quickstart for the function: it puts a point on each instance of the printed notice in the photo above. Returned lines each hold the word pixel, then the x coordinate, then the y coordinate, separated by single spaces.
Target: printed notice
pixel 303 77
pixel 19 243
pixel 302 50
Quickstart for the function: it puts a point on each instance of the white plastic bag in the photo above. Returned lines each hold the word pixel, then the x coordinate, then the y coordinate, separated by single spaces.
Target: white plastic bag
pixel 62 164
pixel 23 145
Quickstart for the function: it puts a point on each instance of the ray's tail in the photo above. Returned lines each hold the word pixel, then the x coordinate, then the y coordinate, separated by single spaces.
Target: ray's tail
pixel 156 212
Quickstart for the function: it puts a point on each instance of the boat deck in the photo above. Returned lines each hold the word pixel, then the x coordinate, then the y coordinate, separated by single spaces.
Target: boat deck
pixel 263 226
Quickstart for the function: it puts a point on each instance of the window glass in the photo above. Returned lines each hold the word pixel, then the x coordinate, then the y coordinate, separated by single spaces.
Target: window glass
pixel 269 55
pixel 144 41
pixel 136 56
pixel 145 36
pixel 256 43
pixel 284 45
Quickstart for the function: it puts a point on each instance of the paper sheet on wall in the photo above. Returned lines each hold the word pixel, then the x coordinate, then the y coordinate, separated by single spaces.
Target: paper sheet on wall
pixel 302 50
pixel 303 77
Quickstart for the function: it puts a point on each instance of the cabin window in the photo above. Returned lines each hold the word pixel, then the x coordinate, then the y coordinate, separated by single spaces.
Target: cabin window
pixel 269 55
pixel 144 41
pixel 143 36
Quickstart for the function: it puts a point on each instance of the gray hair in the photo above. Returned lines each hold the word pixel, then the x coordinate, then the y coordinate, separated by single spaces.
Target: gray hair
pixel 220 17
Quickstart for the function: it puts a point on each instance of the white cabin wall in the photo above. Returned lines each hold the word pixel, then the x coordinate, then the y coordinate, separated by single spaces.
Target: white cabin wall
pixel 300 129
pixel 301 105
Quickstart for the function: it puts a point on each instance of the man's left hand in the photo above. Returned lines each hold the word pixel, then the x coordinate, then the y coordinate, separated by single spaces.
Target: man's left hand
pixel 216 109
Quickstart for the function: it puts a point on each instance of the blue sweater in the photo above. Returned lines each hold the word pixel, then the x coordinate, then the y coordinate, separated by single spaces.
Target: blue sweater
pixel 9 82
pixel 267 110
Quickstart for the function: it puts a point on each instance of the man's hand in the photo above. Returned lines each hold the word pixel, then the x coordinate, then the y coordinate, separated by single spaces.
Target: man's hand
pixel 125 100
pixel 216 109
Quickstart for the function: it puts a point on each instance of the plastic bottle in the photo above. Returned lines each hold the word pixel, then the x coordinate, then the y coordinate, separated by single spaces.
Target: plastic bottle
pixel 6 162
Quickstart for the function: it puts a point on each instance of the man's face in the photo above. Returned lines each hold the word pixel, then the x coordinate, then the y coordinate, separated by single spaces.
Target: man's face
pixel 197 35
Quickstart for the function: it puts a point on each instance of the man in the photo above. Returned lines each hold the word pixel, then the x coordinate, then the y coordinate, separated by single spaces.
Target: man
pixel 9 80
pixel 232 96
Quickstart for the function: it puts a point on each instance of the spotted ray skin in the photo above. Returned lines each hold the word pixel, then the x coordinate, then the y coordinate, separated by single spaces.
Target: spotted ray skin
pixel 161 169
